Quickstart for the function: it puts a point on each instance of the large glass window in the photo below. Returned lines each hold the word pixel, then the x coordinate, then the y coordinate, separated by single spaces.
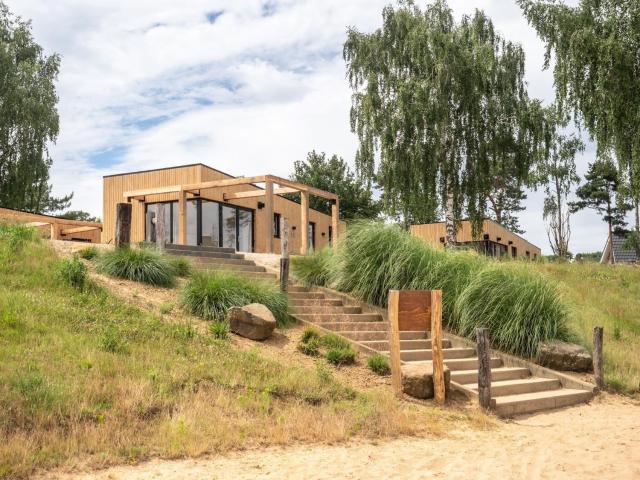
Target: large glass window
pixel 312 236
pixel 150 221
pixel 229 227
pixel 245 230
pixel 210 223
pixel 192 222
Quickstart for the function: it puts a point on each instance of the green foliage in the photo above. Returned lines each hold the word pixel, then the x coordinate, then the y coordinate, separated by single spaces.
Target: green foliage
pixel 219 329
pixel 341 356
pixel 333 340
pixel 211 294
pixel 88 253
pixel 13 237
pixel 445 106
pixel 111 340
pixel 181 266
pixel 310 333
pixel 79 215
pixel 518 305
pixel 310 346
pixel 314 268
pixel 138 264
pixel 74 272
pixel 28 118
pixel 334 175
pixel 379 364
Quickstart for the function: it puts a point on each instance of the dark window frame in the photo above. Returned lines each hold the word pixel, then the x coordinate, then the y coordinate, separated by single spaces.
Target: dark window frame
pixel 276 225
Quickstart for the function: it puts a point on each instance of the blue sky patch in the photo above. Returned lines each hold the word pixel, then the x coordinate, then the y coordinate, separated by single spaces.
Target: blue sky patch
pixel 213 15
pixel 108 157
pixel 269 8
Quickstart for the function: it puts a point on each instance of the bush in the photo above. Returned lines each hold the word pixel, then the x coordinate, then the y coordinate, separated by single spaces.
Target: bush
pixel 341 356
pixel 14 236
pixel 88 253
pixel 310 347
pixel 181 266
pixel 379 364
pixel 310 333
pixel 219 329
pixel 211 294
pixel 138 264
pixel 73 271
pixel 314 268
pixel 333 340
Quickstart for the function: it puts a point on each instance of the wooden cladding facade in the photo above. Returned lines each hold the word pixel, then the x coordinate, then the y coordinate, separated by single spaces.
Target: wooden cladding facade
pixel 494 239
pixel 55 228
pixel 116 185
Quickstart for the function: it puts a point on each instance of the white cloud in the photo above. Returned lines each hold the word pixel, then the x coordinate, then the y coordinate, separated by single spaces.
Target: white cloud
pixel 151 83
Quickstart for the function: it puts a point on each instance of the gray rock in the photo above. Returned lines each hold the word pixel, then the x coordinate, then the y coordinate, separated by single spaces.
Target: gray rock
pixel 565 356
pixel 254 321
pixel 417 380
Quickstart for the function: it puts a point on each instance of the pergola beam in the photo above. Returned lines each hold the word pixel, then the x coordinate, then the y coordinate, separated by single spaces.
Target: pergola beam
pixel 258 193
pixel 224 183
pixel 302 187
pixel 69 231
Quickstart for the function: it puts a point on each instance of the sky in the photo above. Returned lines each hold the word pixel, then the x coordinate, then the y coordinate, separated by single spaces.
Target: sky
pixel 245 86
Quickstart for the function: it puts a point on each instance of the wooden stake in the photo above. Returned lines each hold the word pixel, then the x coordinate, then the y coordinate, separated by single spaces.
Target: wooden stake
pixel 161 231
pixel 284 260
pixel 484 367
pixel 182 217
pixel 437 357
pixel 394 342
pixel 123 224
pixel 598 362
pixel 335 217
pixel 268 212
pixel 304 223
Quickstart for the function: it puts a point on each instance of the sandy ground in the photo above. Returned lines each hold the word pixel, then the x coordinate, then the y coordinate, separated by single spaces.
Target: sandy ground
pixel 600 440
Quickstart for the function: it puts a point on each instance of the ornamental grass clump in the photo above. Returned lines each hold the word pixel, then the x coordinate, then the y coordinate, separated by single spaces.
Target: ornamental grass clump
pixel 138 264
pixel 210 294
pixel 73 272
pixel 315 268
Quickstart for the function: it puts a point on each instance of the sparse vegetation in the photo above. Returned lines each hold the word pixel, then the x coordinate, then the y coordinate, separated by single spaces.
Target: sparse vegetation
pixel 332 340
pixel 73 271
pixel 181 266
pixel 314 269
pixel 379 364
pixel 341 356
pixel 88 253
pixel 138 264
pixel 310 346
pixel 219 329
pixel 210 294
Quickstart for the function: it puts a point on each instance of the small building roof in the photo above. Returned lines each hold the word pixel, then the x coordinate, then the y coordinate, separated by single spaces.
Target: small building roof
pixel 620 254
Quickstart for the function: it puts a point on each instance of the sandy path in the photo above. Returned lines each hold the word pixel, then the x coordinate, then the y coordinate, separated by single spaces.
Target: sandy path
pixel 600 440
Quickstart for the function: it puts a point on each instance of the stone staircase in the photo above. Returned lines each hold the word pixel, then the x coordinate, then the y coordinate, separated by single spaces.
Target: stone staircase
pixel 220 258
pixel 514 389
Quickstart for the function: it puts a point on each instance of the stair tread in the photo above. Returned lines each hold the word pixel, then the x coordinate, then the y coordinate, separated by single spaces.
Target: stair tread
pixel 501 369
pixel 455 349
pixel 517 381
pixel 524 397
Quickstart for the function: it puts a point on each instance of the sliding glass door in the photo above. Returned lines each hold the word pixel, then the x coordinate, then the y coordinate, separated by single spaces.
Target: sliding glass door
pixel 210 224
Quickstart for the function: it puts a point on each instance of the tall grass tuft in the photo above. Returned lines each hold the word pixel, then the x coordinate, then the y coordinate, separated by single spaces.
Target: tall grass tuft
pixel 138 264
pixel 73 271
pixel 13 237
pixel 211 294
pixel 315 268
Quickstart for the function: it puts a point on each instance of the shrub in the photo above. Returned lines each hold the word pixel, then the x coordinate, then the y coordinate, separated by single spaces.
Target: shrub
pixel 310 333
pixel 332 340
pixel 310 347
pixel 341 356
pixel 211 294
pixel 181 266
pixel 88 253
pixel 138 264
pixel 314 268
pixel 14 236
pixel 379 364
pixel 73 271
pixel 219 329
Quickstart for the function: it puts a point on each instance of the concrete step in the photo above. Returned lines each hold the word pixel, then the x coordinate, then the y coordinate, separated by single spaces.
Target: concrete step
pixel 510 405
pixel 206 254
pixel 497 374
pixel 298 295
pixel 243 273
pixel 297 288
pixel 355 326
pixel 308 309
pixel 426 354
pixel 216 260
pixel 468 363
pixel 339 317
pixel 515 387
pixel 365 336
pixel 322 302
pixel 413 344
pixel 229 266
pixel 199 248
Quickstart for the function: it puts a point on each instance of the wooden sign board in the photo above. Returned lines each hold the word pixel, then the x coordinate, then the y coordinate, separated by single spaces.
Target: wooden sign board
pixel 414 310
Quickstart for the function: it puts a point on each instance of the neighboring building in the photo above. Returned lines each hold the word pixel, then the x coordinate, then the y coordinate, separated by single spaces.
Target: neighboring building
pixel 614 252
pixel 55 228
pixel 204 206
pixel 494 240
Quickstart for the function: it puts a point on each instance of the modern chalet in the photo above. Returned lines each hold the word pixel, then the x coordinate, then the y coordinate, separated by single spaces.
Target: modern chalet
pixel 207 207
pixel 493 241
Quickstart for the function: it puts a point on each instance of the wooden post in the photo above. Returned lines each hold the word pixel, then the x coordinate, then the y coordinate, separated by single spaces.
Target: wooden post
pixel 182 217
pixel 598 362
pixel 304 222
pixel 55 231
pixel 394 342
pixel 437 357
pixel 484 367
pixel 284 259
pixel 268 212
pixel 335 216
pixel 123 224
pixel 161 231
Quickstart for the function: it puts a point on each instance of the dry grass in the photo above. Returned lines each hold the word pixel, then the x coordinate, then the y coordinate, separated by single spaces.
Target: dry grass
pixel 607 296
pixel 86 380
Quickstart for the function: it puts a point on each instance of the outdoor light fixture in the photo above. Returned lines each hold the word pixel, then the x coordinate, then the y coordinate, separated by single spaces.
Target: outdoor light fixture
pixel 260 205
pixel 486 236
pixel 499 238
pixel 293 228
pixel 441 239
pixel 510 242
pixel 323 234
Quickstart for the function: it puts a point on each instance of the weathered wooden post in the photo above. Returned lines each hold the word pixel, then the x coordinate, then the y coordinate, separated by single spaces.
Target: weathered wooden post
pixel 437 357
pixel 484 367
pixel 161 231
pixel 284 259
pixel 123 224
pixel 394 342
pixel 598 362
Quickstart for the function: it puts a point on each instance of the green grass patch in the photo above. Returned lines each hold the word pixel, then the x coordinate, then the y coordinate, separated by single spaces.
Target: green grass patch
pixel 379 364
pixel 138 264
pixel 341 356
pixel 210 294
pixel 181 266
pixel 73 271
pixel 310 346
pixel 219 329
pixel 88 253
pixel 314 269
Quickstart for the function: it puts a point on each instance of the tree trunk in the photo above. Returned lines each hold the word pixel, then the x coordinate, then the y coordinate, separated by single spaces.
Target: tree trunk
pixel 610 230
pixel 450 224
pixel 637 216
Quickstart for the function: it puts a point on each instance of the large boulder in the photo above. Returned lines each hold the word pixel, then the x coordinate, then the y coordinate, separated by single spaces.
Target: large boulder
pixel 417 380
pixel 565 356
pixel 254 321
